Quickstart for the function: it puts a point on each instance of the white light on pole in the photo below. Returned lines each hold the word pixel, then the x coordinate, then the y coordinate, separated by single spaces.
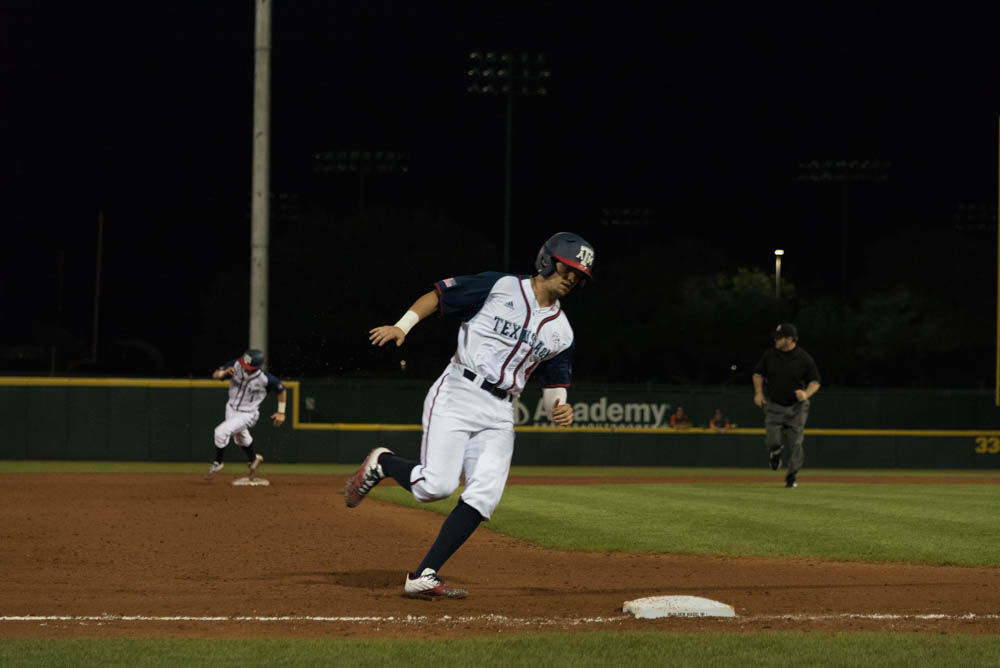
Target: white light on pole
pixel 777 272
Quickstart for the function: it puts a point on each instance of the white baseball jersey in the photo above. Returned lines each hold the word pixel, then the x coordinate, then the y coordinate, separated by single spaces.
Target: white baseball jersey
pixel 505 335
pixel 247 389
pixel 468 416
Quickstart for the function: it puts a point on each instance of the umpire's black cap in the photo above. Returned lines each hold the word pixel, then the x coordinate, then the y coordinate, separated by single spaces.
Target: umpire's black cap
pixel 786 329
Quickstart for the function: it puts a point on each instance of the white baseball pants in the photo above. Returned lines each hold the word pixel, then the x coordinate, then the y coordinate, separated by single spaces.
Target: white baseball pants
pixel 467 431
pixel 236 426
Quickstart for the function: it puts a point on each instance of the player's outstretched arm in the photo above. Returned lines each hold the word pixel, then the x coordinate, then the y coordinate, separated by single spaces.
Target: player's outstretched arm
pixel 423 307
pixel 221 374
pixel 278 418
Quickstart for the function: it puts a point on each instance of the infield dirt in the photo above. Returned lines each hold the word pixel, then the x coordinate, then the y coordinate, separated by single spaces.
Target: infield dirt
pixel 171 546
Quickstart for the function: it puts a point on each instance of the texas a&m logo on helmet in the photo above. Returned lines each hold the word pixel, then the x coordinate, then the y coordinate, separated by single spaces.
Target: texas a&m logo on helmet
pixel 252 359
pixel 568 248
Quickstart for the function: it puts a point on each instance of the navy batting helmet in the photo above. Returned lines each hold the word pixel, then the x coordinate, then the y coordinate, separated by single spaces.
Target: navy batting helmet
pixel 252 359
pixel 568 248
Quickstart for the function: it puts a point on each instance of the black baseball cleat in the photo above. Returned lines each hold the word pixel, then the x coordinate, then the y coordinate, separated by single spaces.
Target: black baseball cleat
pixel 775 459
pixel 790 483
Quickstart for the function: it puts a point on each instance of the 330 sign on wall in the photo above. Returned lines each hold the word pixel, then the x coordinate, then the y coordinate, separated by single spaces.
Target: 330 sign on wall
pixel 987 445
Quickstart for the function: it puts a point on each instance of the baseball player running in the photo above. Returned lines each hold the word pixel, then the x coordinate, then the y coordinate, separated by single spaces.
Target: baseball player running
pixel 511 327
pixel 792 378
pixel 248 385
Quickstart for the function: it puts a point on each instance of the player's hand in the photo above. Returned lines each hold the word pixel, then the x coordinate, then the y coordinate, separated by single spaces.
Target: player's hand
pixel 758 399
pixel 801 395
pixel 386 333
pixel 229 373
pixel 278 419
pixel 562 414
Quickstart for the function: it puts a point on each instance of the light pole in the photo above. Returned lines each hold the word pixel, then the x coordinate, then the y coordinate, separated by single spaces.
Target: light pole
pixel 777 272
pixel 260 230
pixel 510 75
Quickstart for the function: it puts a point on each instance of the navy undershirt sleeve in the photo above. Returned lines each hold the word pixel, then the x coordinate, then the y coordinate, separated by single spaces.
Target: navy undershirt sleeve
pixel 464 296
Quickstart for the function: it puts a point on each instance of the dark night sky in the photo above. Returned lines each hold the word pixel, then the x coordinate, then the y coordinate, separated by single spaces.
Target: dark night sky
pixel 698 111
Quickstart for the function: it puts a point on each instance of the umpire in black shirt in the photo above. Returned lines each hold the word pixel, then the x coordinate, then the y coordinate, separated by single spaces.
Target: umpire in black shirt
pixel 790 377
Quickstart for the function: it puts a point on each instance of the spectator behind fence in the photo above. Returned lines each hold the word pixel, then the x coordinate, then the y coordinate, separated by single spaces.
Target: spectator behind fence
pixel 719 422
pixel 680 420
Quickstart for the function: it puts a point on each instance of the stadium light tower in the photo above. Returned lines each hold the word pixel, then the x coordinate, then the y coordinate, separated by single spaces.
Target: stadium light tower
pixel 843 172
pixel 634 217
pixel 510 75
pixel 363 163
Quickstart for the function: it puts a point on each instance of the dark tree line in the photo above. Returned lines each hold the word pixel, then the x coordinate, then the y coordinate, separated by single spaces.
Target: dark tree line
pixel 671 310
pixel 920 312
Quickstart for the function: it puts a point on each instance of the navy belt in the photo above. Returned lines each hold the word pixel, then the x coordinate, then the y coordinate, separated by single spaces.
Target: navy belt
pixel 488 386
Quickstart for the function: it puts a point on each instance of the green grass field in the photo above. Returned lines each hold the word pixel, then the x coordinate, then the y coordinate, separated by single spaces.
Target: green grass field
pixel 835 521
pixel 901 522
pixel 866 650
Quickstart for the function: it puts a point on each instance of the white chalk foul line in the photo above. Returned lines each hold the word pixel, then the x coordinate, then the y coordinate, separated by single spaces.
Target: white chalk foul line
pixel 491 619
pixel 407 619
pixel 876 616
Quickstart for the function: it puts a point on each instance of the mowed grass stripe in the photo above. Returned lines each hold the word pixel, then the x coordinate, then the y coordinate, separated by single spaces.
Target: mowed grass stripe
pixel 925 524
pixel 640 648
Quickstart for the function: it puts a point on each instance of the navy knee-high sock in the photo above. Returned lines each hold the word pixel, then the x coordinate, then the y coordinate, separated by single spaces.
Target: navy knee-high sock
pixel 397 468
pixel 456 529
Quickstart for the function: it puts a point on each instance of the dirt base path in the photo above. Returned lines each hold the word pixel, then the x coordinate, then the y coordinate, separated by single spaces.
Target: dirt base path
pixel 174 556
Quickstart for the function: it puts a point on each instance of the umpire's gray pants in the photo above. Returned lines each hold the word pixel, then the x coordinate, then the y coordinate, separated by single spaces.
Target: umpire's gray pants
pixel 783 429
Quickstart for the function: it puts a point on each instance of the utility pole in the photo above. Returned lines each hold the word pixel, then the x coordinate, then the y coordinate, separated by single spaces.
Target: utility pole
pixel 260 197
pixel 97 288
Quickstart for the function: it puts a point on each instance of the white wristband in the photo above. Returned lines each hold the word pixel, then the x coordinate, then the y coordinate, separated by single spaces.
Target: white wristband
pixel 407 322
pixel 549 396
pixel 281 406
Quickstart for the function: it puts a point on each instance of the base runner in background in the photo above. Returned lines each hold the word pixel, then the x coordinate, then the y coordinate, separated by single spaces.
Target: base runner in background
pixel 248 386
pixel 790 377
pixel 511 327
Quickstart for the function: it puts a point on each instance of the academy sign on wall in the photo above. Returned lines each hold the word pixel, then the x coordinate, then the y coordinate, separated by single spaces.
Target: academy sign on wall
pixel 602 411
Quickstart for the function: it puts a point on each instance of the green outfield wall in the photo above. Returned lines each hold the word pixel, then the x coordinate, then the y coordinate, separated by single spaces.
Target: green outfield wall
pixel 340 420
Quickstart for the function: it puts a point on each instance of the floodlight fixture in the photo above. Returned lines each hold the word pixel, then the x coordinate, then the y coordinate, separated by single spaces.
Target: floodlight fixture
pixel 508 74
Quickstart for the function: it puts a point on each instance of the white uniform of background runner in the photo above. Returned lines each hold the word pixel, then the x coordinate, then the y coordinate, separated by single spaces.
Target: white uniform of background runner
pixel 248 385
pixel 247 389
pixel 505 337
